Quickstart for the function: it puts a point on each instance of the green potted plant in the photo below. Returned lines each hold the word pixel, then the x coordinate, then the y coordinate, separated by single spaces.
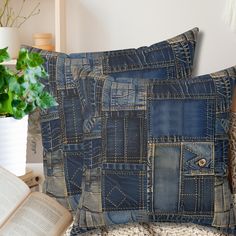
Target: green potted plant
pixel 21 92
pixel 12 17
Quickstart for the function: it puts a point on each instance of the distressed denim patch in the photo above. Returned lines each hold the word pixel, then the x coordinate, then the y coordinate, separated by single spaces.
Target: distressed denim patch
pixel 195 160
pixel 124 94
pixel 198 158
pixel 167 161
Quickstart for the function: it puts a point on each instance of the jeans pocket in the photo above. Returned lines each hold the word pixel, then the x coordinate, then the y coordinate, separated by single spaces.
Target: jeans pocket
pixel 198 178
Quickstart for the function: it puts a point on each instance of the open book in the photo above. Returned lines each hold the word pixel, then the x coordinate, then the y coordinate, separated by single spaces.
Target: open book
pixel 23 212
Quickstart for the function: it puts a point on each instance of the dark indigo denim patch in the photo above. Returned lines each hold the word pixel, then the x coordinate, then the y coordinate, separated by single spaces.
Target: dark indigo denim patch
pixel 71 119
pixel 73 166
pixel 123 190
pixel 124 136
pixel 222 125
pixel 51 133
pixel 197 195
pixel 221 156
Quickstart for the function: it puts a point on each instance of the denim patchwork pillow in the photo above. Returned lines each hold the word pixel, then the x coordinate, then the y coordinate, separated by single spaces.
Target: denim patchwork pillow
pixel 155 150
pixel 64 128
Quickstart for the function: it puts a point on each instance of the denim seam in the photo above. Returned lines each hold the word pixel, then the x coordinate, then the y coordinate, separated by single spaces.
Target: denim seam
pixel 109 69
pixel 191 214
pixel 130 52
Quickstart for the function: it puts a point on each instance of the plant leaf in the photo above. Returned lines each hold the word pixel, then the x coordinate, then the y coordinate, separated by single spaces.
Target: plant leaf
pixel 4 55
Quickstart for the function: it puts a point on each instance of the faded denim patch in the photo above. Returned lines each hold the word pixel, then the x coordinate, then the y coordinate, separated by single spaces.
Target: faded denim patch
pixel 166 166
pixel 181 111
pixel 92 151
pixel 124 94
pixel 198 158
pixel 183 172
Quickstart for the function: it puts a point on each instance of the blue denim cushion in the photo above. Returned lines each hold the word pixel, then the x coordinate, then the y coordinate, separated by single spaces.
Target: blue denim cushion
pixel 163 151
pixel 64 127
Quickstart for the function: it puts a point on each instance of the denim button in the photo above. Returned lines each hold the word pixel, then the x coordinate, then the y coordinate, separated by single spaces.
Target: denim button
pixel 202 162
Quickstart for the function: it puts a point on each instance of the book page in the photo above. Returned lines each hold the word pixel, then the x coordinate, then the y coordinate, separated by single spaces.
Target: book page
pixel 12 192
pixel 39 215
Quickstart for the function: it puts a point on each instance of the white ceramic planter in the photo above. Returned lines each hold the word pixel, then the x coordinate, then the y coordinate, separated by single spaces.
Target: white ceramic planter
pixel 9 37
pixel 13 144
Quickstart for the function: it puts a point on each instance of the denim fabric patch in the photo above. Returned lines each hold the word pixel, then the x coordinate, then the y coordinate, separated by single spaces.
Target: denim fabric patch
pixel 167 162
pixel 221 156
pixel 181 119
pixel 124 137
pixel 222 125
pixel 51 133
pixel 55 183
pixel 92 150
pixel 123 190
pixel 198 158
pixel 124 94
pixel 73 165
pixel 181 111
pixel 197 195
pixel 72 120
pixel 193 159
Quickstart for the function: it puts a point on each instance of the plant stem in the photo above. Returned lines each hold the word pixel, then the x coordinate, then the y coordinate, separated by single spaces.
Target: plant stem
pixel 32 13
pixel 19 13
pixel 9 15
pixel 3 11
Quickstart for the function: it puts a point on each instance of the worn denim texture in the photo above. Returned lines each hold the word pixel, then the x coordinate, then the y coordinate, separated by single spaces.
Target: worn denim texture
pixel 71 132
pixel 163 150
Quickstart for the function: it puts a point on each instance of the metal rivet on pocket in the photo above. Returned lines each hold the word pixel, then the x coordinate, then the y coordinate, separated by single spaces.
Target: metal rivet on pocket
pixel 202 162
